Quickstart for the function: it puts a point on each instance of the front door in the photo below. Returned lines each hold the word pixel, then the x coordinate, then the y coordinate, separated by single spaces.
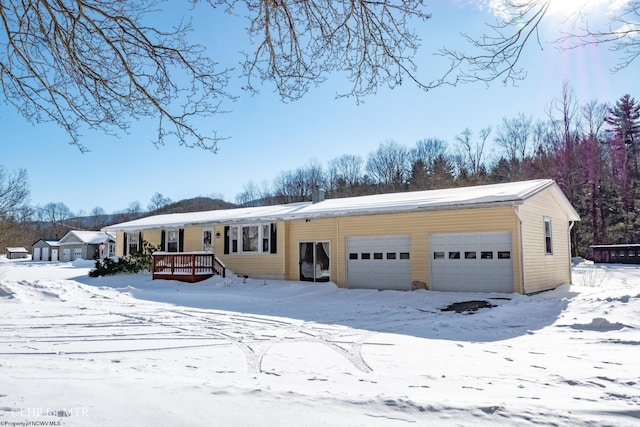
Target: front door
pixel 315 261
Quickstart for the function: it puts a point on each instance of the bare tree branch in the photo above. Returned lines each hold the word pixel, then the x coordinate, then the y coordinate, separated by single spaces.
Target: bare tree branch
pixel 622 35
pixel 95 63
pixel 300 42
pixel 497 54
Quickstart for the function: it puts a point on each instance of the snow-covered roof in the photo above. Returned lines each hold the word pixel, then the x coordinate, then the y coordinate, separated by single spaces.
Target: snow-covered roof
pixel 89 237
pixel 17 250
pixel 50 242
pixel 452 198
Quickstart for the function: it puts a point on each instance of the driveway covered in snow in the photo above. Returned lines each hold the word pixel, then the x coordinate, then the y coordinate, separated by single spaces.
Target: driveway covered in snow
pixel 126 350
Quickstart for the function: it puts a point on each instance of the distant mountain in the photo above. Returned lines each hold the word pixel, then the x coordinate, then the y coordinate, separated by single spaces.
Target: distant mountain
pixel 96 222
pixel 196 204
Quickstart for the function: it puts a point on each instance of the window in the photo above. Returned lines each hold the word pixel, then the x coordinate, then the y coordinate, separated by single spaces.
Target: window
pixel 207 240
pixel 504 255
pixel 454 255
pixel 172 241
pixel 353 255
pixel 391 255
pixel 265 238
pixel 234 239
pixel 133 242
pixel 438 255
pixel 404 255
pixel 547 236
pixel 365 255
pixel 250 238
pixel 377 255
pixel 486 255
pixel 469 255
pixel 253 239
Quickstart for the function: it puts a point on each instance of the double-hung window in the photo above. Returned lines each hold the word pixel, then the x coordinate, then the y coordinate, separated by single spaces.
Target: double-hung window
pixel 250 238
pixel 133 242
pixel 172 241
pixel 547 236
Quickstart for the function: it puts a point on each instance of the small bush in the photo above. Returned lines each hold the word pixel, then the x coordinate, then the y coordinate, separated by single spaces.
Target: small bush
pixel 133 263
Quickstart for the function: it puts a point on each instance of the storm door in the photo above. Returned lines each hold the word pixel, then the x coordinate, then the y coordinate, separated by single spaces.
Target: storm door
pixel 314 261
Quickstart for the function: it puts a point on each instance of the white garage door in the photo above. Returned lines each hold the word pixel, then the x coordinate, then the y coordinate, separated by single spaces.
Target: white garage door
pixel 379 262
pixel 472 262
pixel 36 254
pixel 45 254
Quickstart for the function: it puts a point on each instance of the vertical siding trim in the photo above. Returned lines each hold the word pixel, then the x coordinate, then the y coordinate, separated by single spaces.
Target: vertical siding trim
pixel 521 285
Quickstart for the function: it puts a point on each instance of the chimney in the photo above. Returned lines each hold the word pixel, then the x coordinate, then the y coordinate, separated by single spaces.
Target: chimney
pixel 317 195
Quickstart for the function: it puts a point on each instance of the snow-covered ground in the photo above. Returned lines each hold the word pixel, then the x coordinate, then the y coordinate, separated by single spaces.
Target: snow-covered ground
pixel 126 350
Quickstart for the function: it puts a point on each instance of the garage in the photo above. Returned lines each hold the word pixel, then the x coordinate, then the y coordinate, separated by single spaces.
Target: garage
pixel 379 262
pixel 36 254
pixel 472 262
pixel 44 255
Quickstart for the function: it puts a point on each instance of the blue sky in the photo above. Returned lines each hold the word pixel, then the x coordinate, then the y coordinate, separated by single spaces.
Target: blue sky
pixel 267 136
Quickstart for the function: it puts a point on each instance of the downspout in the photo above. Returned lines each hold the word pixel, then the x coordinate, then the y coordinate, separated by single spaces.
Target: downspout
pixel 571 224
pixel 340 249
pixel 521 247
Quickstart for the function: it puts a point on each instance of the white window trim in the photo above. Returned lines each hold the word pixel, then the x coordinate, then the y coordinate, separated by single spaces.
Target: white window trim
pixel 135 241
pixel 167 232
pixel 239 237
pixel 548 250
pixel 211 231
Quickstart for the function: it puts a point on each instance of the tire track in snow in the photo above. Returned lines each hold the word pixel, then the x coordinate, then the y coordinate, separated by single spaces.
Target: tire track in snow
pixel 253 335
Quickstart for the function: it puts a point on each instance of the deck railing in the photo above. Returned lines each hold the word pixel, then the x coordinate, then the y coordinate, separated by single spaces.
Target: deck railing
pixel 186 266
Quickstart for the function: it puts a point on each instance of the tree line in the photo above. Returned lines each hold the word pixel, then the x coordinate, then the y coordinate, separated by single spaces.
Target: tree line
pixel 591 149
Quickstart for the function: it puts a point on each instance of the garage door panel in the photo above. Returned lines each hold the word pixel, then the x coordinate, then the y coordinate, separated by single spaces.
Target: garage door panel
pixel 379 262
pixel 472 262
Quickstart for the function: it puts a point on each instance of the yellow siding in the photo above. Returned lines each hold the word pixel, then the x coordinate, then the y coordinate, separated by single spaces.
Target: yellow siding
pixel 119 243
pixel 154 237
pixel 418 225
pixel 542 271
pixel 193 238
pixel 254 265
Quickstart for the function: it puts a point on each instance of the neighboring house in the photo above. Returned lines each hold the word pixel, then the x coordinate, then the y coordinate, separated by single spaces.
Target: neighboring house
pixel 511 237
pixel 78 244
pixel 45 250
pixel 17 253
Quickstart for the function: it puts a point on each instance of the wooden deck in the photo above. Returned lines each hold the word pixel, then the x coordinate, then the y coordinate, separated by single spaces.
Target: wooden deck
pixel 186 266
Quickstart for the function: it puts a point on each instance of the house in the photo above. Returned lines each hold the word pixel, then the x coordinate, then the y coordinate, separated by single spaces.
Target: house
pixel 511 237
pixel 17 253
pixel 78 244
pixel 45 250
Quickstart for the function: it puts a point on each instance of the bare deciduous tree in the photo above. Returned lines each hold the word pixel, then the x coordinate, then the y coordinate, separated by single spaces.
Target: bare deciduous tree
pixel 513 134
pixel 473 150
pixel 389 165
pixel 14 191
pixel 96 64
pixel 344 172
pixel 99 64
pixel 14 194
pixel 56 214
pixel 496 55
pixel 158 201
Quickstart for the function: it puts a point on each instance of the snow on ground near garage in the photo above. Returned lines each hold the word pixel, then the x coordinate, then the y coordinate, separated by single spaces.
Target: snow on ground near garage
pixel 126 350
